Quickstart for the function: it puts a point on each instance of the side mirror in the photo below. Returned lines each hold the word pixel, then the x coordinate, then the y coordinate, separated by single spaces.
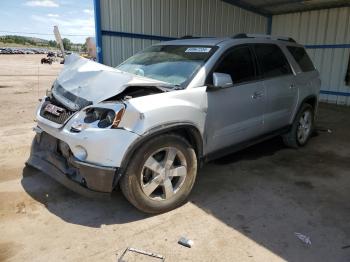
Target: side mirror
pixel 221 80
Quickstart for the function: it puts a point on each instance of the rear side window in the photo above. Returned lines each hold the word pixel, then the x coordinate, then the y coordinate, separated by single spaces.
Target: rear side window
pixel 272 61
pixel 302 58
pixel 238 64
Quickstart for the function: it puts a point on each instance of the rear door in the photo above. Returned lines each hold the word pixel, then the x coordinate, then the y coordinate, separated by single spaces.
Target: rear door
pixel 235 114
pixel 307 77
pixel 282 93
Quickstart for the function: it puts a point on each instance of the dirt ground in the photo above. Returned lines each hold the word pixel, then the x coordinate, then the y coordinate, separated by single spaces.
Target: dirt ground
pixel 244 207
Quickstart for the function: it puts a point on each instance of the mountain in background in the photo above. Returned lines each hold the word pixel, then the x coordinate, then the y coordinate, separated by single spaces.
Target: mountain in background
pixel 26 41
pixel 37 40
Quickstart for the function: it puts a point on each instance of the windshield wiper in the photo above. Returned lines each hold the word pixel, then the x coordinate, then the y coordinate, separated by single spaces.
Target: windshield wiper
pixel 178 87
pixel 170 86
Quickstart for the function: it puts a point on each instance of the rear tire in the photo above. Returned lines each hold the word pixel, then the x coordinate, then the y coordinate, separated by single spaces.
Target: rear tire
pixel 302 128
pixel 161 174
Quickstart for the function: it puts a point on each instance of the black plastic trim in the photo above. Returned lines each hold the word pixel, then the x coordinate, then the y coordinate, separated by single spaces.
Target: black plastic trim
pixel 48 169
pixel 237 147
pixel 315 106
pixel 84 178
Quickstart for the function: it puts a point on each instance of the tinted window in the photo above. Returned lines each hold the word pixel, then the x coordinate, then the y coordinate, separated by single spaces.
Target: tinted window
pixel 302 58
pixel 272 61
pixel 347 76
pixel 239 64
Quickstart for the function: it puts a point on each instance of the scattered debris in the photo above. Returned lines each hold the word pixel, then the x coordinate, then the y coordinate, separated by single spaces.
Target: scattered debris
pixel 327 130
pixel 185 242
pixel 142 252
pixel 21 208
pixel 20 92
pixel 303 238
pixel 345 247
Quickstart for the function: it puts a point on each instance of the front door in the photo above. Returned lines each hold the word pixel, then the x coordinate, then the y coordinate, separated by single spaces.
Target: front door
pixel 235 114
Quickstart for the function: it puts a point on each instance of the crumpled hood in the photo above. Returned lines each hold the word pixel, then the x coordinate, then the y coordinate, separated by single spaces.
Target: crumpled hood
pixel 96 82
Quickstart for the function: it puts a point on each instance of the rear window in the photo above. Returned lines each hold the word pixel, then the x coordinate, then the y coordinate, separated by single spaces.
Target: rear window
pixel 302 58
pixel 272 61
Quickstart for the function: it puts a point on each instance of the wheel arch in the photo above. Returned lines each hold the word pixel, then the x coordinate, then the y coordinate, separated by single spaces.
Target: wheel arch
pixel 187 130
pixel 311 100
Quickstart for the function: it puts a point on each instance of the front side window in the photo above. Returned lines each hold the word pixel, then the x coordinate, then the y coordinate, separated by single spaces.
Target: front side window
pixel 238 64
pixel 174 64
pixel 272 61
pixel 302 58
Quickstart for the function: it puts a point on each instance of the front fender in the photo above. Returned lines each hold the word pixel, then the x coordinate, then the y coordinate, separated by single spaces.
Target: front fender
pixel 184 128
pixel 183 106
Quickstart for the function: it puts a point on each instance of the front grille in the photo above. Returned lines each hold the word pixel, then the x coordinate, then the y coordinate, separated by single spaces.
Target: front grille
pixel 57 119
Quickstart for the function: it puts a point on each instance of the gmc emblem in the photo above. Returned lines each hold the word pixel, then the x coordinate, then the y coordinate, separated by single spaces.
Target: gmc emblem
pixel 52 109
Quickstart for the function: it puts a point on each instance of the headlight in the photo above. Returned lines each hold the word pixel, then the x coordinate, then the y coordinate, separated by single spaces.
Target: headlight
pixel 105 117
pixel 93 114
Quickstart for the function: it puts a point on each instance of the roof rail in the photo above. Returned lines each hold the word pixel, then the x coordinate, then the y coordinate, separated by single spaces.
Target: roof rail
pixel 240 35
pixel 288 39
pixel 272 37
pixel 188 37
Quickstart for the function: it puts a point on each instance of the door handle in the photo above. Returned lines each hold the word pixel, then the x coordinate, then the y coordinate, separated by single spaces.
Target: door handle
pixel 257 95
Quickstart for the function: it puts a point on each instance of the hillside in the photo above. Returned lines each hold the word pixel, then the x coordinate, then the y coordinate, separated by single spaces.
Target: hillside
pixel 24 41
pixel 27 41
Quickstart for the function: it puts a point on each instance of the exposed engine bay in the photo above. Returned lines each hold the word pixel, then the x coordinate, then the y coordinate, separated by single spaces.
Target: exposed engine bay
pixel 136 91
pixel 83 82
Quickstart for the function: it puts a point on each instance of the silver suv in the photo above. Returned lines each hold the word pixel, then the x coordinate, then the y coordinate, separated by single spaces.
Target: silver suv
pixel 148 124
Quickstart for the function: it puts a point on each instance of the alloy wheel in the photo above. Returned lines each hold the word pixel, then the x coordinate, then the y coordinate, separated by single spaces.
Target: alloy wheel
pixel 163 173
pixel 304 126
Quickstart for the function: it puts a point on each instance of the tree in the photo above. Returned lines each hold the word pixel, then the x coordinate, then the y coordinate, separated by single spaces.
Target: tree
pixel 52 43
pixel 67 44
pixel 84 48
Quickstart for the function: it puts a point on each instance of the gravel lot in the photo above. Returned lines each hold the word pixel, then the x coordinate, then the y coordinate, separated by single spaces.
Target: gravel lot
pixel 244 207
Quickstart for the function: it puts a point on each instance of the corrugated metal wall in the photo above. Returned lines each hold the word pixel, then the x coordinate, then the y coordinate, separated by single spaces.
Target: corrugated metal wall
pixel 321 27
pixel 172 18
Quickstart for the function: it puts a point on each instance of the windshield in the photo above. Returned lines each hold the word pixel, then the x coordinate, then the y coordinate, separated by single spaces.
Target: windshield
pixel 174 64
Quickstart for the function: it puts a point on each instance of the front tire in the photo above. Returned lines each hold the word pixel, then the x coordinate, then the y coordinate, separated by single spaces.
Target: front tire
pixel 161 174
pixel 302 128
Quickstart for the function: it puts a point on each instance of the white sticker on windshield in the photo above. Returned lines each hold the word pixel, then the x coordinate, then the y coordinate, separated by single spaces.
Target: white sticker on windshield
pixel 198 50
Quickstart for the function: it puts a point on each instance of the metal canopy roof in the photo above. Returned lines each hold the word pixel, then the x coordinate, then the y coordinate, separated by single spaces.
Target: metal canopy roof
pixel 275 7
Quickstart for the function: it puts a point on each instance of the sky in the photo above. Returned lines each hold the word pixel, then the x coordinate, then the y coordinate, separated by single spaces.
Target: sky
pixel 75 18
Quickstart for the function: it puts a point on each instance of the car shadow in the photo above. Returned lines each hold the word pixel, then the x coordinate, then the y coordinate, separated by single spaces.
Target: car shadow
pixel 77 209
pixel 266 148
pixel 266 192
pixel 74 208
pixel 269 192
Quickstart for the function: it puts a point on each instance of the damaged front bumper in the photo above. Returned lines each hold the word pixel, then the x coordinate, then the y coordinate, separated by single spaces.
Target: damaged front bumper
pixel 86 179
